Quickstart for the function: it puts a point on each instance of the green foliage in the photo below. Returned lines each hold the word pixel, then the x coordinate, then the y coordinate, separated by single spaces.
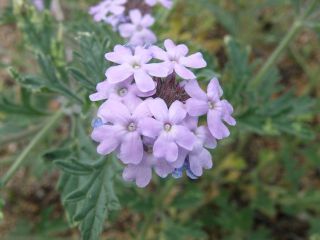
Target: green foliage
pixel 265 174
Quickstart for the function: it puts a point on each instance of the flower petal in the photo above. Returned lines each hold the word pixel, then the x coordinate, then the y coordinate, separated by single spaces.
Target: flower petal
pixel 183 72
pixel 163 168
pixel 200 161
pixel 119 54
pixel 150 127
pixel 135 16
pixel 214 90
pixel 131 150
pixel 216 126
pixel 147 21
pixel 169 45
pixel 141 174
pixel 197 107
pixel 177 112
pixel 157 69
pixel 183 137
pixel 120 73
pixel 159 53
pixel 194 90
pixel 144 82
pixel 114 112
pixel 159 109
pixel 165 148
pixel 194 61
pixel 126 30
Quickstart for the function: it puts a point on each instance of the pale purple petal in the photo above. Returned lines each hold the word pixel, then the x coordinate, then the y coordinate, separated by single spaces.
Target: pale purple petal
pixel 144 55
pixel 144 82
pixel 159 109
pixel 165 148
pixel 183 72
pixel 182 50
pixel 126 30
pixel 193 61
pixel 142 111
pixel 103 91
pixel 135 16
pixel 120 73
pixel 114 112
pixel 159 53
pixel 163 168
pixel 147 21
pixel 157 69
pixel 184 137
pixel 141 174
pixel 131 150
pixel 194 90
pixel 206 137
pixel 177 112
pixel 214 91
pixel 216 126
pixel 169 45
pixel 200 161
pixel 197 107
pixel 119 55
pixel 150 127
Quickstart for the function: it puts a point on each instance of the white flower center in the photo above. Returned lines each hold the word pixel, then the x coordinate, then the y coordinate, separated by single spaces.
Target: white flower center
pixel 122 92
pixel 167 127
pixel 132 127
pixel 136 65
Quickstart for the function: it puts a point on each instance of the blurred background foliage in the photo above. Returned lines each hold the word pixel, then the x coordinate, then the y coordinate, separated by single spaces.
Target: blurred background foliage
pixel 266 180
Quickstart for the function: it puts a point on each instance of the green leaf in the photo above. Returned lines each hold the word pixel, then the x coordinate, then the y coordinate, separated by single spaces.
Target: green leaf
pixel 74 167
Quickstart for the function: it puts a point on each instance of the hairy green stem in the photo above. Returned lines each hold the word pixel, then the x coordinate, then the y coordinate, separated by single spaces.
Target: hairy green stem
pixel 293 31
pixel 149 218
pixel 12 170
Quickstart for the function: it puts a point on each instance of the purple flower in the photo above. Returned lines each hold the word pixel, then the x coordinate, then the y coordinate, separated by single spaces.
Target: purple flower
pixel 166 3
pixel 39 4
pixel 176 57
pixel 121 131
pixel 138 29
pixel 168 129
pixel 134 65
pixel 101 11
pixel 124 92
pixel 202 103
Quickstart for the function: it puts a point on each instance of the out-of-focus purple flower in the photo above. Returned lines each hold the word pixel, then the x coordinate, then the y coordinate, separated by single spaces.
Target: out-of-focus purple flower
pixel 176 57
pixel 103 9
pixel 39 4
pixel 218 110
pixel 134 65
pixel 168 129
pixel 137 31
pixel 122 131
pixel 166 3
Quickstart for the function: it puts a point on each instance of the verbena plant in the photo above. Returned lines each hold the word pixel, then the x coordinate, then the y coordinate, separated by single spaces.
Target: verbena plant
pixel 90 185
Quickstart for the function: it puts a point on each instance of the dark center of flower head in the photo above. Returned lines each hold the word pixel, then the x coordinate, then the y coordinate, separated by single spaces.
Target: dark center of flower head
pixel 132 127
pixel 122 92
pixel 137 4
pixel 169 90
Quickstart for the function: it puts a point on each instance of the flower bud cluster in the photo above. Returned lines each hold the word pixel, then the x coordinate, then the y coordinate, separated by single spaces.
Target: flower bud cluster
pixel 131 18
pixel 151 110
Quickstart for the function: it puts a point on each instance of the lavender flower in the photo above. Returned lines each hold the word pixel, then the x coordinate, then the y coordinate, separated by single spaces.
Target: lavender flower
pixel 176 57
pixel 134 65
pixel 150 120
pixel 137 31
pixel 202 103
pixel 103 9
pixel 39 4
pixel 166 3
pixel 167 127
pixel 121 130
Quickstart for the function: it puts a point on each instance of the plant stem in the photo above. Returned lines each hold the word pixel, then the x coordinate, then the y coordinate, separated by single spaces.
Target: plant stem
pixel 157 207
pixel 295 28
pixel 9 174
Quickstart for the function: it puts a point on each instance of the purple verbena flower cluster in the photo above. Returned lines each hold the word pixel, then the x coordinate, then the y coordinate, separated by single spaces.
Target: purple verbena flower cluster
pixel 150 117
pixel 132 19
